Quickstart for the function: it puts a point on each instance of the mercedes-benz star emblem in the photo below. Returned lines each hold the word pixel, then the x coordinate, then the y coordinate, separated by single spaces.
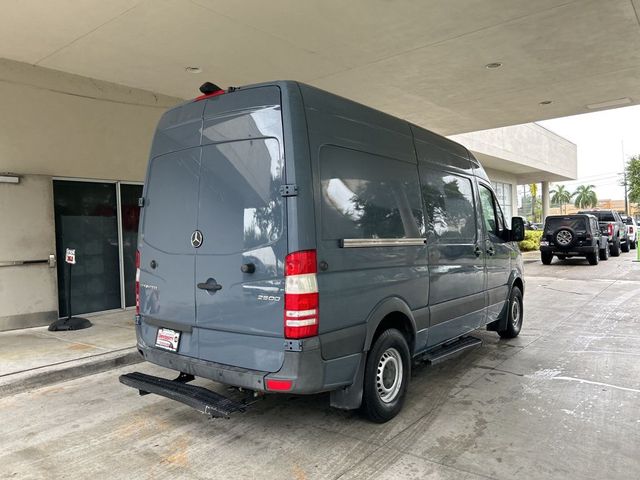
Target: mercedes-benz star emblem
pixel 196 238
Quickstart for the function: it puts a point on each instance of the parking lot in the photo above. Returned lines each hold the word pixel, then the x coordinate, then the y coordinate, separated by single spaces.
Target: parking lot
pixel 560 401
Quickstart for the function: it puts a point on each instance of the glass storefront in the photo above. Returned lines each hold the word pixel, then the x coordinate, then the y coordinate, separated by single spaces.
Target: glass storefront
pixel 87 220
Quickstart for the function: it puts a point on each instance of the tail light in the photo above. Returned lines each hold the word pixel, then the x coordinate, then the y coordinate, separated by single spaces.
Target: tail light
pixel 137 282
pixel 630 229
pixel 610 229
pixel 301 316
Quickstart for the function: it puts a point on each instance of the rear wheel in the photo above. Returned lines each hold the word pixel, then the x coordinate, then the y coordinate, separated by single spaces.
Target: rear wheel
pixel 514 315
pixel 604 252
pixel 593 258
pixel 546 257
pixel 386 376
pixel 626 247
pixel 615 248
pixel 633 245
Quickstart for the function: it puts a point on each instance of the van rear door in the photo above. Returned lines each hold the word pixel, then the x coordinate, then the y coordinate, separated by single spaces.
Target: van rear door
pixel 239 275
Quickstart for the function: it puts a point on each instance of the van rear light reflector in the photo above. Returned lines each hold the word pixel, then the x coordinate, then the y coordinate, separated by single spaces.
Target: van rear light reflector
pixel 137 282
pixel 278 385
pixel 301 316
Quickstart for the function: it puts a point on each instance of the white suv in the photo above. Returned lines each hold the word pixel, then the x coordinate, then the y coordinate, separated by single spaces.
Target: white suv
pixel 632 230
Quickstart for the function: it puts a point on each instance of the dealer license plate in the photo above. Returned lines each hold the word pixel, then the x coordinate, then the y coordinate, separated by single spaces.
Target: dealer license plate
pixel 168 339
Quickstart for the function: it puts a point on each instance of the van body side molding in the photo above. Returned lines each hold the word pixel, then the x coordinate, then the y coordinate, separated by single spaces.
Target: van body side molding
pixel 381 242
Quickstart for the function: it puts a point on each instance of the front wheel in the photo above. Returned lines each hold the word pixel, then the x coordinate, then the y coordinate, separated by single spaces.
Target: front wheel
pixel 615 248
pixel 387 374
pixel 625 246
pixel 515 315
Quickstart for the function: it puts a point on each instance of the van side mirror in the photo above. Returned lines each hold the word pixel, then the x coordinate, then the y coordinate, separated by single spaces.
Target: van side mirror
pixel 517 229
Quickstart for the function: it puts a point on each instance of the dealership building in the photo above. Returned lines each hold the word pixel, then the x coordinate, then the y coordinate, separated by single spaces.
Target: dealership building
pixel 73 153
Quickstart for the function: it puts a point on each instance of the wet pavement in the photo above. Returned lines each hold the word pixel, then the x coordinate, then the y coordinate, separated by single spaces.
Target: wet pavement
pixel 560 401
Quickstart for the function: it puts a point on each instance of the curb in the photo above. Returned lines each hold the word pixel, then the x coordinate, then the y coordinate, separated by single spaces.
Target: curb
pixel 31 379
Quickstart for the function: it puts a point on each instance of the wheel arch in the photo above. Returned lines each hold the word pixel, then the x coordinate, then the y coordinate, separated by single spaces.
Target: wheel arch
pixel 391 312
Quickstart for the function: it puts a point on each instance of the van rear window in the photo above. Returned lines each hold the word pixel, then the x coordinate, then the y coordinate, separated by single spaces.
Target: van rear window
pixel 368 196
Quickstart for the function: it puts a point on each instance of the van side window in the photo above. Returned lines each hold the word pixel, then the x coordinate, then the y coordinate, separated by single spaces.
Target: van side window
pixel 449 211
pixel 493 220
pixel 368 196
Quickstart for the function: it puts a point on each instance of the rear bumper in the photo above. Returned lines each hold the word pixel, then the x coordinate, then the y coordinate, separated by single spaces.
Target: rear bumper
pixel 577 251
pixel 306 369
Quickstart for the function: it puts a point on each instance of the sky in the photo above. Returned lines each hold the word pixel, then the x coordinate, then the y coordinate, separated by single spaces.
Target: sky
pixel 600 137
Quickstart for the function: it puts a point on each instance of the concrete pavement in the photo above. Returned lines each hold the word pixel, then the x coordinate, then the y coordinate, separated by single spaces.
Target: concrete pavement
pixel 560 401
pixel 36 357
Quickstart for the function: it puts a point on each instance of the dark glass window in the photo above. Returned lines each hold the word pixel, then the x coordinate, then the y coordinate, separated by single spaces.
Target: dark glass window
pixel 130 212
pixel 449 207
pixel 492 222
pixel 368 196
pixel 86 220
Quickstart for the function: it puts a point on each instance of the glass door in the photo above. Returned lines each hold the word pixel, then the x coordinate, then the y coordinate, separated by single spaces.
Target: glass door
pixel 130 216
pixel 86 220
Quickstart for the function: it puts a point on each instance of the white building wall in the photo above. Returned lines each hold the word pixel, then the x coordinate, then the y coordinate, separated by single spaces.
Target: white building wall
pixel 57 124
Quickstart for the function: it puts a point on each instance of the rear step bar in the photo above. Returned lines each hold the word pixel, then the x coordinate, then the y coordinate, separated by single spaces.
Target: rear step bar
pixel 450 349
pixel 202 399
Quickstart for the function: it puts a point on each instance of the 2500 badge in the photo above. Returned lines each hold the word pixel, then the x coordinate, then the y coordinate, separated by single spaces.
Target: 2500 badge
pixel 269 298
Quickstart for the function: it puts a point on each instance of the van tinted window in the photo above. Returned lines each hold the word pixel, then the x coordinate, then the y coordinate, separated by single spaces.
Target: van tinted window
pixel 448 207
pixel 368 196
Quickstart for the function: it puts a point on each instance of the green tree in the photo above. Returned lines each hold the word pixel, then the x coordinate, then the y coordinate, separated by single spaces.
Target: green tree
pixel 585 196
pixel 560 196
pixel 632 170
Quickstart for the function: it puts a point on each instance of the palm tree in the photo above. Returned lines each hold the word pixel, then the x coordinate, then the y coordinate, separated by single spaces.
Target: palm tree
pixel 560 196
pixel 585 196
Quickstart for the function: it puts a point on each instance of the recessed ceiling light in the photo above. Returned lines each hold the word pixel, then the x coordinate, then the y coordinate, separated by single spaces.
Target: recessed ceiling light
pixel 493 65
pixel 546 102
pixel 610 103
pixel 193 69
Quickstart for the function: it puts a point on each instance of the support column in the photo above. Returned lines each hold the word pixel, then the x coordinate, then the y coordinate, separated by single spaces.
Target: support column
pixel 545 200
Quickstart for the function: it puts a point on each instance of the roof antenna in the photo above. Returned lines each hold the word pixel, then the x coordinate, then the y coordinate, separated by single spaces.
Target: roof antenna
pixel 207 88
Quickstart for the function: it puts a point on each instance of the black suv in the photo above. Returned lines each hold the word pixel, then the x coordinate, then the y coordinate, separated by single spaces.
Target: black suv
pixel 613 227
pixel 573 236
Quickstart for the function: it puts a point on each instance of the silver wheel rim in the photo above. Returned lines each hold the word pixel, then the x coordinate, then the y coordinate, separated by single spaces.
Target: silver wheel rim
pixel 389 375
pixel 515 312
pixel 564 237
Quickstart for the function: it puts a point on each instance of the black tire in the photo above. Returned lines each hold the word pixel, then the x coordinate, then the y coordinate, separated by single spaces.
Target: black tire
pixel 562 257
pixel 389 350
pixel 546 257
pixel 593 258
pixel 633 245
pixel 604 252
pixel 514 313
pixel 615 248
pixel 626 247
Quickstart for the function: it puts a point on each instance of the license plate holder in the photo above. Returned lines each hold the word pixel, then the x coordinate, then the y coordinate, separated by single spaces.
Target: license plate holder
pixel 168 339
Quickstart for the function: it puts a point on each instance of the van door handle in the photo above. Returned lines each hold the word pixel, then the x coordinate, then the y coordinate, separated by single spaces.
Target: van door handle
pixel 477 251
pixel 210 285
pixel 490 251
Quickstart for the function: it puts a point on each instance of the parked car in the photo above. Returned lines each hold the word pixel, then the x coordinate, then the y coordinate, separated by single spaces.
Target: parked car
pixel 566 236
pixel 632 230
pixel 530 225
pixel 613 227
pixel 292 241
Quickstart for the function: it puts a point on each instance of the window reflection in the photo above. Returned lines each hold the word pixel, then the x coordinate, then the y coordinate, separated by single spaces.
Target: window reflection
pixel 448 207
pixel 366 196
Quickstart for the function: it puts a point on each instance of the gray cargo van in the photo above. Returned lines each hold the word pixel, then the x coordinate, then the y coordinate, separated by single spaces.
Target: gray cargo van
pixel 295 241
